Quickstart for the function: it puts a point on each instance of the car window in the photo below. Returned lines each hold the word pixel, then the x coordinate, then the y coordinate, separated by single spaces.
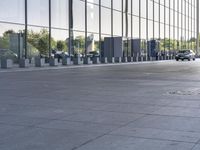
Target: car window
pixel 181 51
pixel 188 51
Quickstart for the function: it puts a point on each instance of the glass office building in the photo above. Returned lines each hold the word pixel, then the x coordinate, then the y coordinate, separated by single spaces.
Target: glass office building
pixel 32 27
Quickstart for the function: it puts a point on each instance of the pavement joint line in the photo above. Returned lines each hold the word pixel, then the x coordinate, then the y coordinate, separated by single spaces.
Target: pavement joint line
pixel 103 104
pixel 194 147
pixel 77 66
pixel 108 133
pixel 186 117
pixel 153 128
pixel 89 141
pixel 85 122
pixel 155 139
pixel 197 143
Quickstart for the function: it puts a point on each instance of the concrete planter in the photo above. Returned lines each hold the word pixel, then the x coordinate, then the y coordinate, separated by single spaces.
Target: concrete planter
pixel 161 58
pixel 77 61
pixel 66 61
pixel 124 59
pixel 6 63
pixel 144 58
pixel 140 58
pixel 87 61
pixel 39 62
pixel 104 60
pixel 53 62
pixel 154 59
pixel 130 59
pixel 47 60
pixel 150 58
pixel 24 63
pixel 111 60
pixel 118 59
pixel 96 60
pixel 32 60
pixel 135 59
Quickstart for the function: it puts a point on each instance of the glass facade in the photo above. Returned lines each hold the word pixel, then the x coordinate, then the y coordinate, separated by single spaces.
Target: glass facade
pixel 37 27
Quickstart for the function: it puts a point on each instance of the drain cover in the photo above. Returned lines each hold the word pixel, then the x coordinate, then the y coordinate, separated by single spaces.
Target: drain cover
pixel 185 92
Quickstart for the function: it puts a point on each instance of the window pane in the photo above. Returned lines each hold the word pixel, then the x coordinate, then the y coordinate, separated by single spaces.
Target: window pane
pixel 12 11
pixel 11 41
pixel 38 12
pixel 59 15
pixel 79 15
pixel 92 18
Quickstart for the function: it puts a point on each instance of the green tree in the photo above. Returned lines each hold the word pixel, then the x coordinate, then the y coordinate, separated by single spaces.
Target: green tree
pixel 4 40
pixel 8 32
pixel 162 44
pixel 79 44
pixel 40 41
pixel 193 39
pixel 61 45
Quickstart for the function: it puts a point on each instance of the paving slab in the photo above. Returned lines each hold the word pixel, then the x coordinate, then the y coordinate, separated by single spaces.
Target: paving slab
pixel 174 123
pixel 46 139
pixel 79 126
pixel 158 134
pixel 129 108
pixel 21 120
pixel 110 142
pixel 178 111
pixel 103 117
pixel 133 106
pixel 197 147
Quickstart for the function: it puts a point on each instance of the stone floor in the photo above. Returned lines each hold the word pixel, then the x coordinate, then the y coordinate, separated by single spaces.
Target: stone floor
pixel 139 106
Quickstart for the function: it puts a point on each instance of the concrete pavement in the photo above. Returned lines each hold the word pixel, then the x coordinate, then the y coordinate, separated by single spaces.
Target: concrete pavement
pixel 143 106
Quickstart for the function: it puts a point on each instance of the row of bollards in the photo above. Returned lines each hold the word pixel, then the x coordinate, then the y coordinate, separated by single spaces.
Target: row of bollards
pixel 40 62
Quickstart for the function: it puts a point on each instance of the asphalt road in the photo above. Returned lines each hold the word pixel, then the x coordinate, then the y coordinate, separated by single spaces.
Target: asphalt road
pixel 141 106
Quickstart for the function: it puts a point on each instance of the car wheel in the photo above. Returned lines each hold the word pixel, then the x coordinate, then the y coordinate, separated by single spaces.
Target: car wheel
pixel 189 59
pixel 193 59
pixel 177 59
pixel 182 59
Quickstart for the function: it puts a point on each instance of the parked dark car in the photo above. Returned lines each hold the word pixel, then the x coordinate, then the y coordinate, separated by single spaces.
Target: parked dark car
pixel 185 54
pixel 93 54
pixel 62 55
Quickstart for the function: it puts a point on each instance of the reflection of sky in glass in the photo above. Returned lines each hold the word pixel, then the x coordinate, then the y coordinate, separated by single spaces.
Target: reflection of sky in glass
pixel 13 11
pixel 6 27
pixel 93 18
pixel 59 15
pixel 79 15
pixel 38 12
pixel 91 13
pixel 90 1
pixel 59 34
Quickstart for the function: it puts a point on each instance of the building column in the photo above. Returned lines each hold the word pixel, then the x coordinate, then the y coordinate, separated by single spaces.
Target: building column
pixel 100 42
pixel 197 47
pixel 71 25
pixel 86 36
pixel 26 31
pixel 49 28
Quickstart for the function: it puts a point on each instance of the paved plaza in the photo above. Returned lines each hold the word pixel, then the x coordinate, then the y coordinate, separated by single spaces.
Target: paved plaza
pixel 138 106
